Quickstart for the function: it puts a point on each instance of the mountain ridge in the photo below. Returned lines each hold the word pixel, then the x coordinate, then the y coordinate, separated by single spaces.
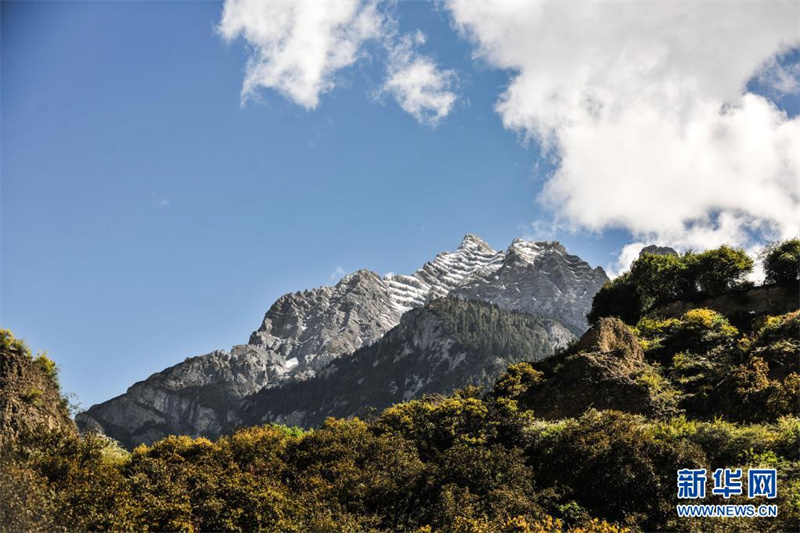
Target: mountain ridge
pixel 303 332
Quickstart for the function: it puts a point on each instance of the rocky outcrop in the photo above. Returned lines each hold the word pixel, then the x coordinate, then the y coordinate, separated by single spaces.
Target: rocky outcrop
pixel 764 300
pixel 196 397
pixel 30 398
pixel 657 250
pixel 599 372
pixel 303 333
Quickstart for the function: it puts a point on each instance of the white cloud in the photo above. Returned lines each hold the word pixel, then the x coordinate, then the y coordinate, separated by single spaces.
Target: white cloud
pixel 420 87
pixel 627 255
pixel 337 274
pixel 780 78
pixel 643 105
pixel 298 46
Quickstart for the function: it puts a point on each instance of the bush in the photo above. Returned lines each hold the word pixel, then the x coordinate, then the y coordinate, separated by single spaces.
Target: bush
pixel 613 467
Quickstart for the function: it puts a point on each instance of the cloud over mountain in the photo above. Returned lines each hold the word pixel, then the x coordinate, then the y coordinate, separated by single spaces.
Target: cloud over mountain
pixel 644 108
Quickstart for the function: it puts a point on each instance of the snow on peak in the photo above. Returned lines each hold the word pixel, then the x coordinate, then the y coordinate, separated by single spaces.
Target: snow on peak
pixel 446 272
pixel 530 250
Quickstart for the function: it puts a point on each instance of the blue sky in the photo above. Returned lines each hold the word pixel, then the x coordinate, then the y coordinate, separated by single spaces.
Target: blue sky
pixel 149 215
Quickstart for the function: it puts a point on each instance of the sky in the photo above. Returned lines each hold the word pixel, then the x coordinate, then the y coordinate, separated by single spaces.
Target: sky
pixel 169 169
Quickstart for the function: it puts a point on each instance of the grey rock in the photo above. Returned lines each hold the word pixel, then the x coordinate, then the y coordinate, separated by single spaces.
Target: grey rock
pixel 657 250
pixel 194 397
pixel 540 278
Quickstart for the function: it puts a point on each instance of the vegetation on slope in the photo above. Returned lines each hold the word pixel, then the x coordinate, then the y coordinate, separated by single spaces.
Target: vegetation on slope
pixel 654 280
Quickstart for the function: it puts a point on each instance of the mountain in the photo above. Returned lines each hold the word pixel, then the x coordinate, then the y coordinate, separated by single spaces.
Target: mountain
pixel 303 333
pixel 446 345
pixel 539 278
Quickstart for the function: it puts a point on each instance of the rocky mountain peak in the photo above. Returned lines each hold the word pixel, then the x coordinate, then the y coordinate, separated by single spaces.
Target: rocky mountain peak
pixel 473 242
pixel 304 332
pixel 529 251
pixel 540 277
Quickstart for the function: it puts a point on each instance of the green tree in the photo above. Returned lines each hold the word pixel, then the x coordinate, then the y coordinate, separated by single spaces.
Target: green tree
pixel 620 298
pixel 719 270
pixel 782 262
pixel 654 280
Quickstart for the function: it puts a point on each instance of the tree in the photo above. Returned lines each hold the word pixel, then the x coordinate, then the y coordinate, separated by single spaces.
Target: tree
pixel 654 280
pixel 620 298
pixel 660 278
pixel 719 270
pixel 782 262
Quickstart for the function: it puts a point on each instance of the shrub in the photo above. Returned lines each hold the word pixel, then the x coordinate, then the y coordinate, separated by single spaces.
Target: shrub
pixel 613 466
pixel 32 396
pixel 517 379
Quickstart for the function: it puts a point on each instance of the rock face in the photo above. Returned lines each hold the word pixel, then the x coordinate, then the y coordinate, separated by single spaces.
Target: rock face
pixel 540 278
pixel 303 333
pixel 657 250
pixel 765 300
pixel 30 398
pixel 195 397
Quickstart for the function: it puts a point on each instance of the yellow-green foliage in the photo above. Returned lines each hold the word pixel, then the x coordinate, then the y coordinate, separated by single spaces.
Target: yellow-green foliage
pixel 721 371
pixel 440 464
pixel 704 321
pixel 464 462
pixel 32 396
pixel 516 380
pixel 778 340
pixel 47 365
pixel 17 347
pixel 653 327
pixel 439 424
pixel 8 343
pixel 708 319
